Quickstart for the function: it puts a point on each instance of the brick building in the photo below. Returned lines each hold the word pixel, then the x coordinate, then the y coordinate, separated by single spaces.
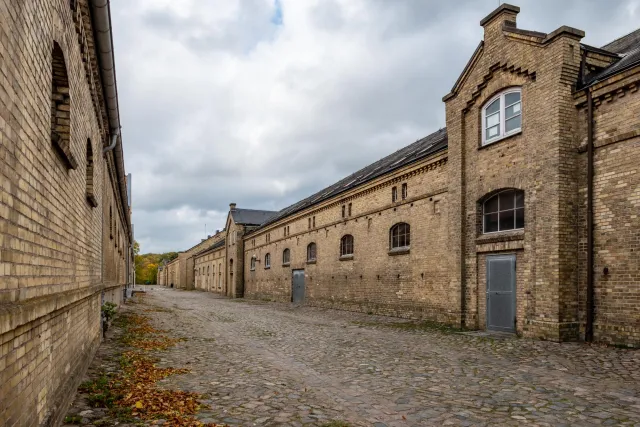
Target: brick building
pixel 65 228
pixel 521 215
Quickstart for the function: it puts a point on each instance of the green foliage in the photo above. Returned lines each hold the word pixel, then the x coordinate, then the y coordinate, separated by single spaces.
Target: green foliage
pixel 147 265
pixel 109 310
pixel 73 419
pixel 99 395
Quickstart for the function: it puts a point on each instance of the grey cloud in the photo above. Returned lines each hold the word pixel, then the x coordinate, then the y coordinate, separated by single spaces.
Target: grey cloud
pixel 263 115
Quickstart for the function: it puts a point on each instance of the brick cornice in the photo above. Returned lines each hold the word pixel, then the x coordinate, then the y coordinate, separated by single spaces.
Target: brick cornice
pixel 495 68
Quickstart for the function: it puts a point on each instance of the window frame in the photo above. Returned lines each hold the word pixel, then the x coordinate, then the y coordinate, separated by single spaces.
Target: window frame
pixel 407 237
pixel 502 110
pixel 252 264
pixel 394 194
pixel 515 208
pixel 267 261
pixel 315 252
pixel 405 191
pixel 347 241
pixel 286 252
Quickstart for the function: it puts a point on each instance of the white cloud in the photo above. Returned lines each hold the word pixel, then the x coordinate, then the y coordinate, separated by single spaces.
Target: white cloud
pixel 220 104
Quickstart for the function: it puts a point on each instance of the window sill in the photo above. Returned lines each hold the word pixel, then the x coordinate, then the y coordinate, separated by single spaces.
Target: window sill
pixel 268 268
pixel 63 150
pixel 501 236
pixel 288 264
pixel 92 200
pixel 346 258
pixel 400 251
pixel 253 269
pixel 502 138
pixel 313 261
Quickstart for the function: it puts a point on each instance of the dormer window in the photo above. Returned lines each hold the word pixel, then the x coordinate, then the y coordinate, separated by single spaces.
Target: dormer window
pixel 502 116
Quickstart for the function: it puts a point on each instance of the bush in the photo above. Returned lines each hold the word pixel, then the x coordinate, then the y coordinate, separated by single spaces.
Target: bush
pixel 109 310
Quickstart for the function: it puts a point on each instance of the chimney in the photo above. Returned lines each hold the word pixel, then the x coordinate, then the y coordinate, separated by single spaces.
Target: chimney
pixel 232 206
pixel 505 14
pixel 217 231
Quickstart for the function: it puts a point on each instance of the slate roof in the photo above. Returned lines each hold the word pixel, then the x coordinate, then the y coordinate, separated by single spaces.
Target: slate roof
pixel 251 216
pixel 216 245
pixel 628 48
pixel 420 149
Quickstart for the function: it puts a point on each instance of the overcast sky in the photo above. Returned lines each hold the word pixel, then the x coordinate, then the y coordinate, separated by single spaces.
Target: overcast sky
pixel 264 102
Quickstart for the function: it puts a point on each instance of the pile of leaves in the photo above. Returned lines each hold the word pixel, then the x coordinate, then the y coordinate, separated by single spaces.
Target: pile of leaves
pixel 134 390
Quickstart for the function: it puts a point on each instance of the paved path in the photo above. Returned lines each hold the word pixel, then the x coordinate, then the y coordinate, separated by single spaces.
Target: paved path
pixel 272 364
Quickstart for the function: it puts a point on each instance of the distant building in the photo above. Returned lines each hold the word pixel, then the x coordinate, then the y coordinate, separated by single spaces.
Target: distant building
pixel 523 215
pixel 65 222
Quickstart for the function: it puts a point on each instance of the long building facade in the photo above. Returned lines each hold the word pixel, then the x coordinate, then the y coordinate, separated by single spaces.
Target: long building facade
pixel 65 229
pixel 522 215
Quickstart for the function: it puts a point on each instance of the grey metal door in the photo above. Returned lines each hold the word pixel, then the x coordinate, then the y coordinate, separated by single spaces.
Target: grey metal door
pixel 501 293
pixel 297 286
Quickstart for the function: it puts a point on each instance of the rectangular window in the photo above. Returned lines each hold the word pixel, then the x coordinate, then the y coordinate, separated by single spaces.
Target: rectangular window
pixel 394 194
pixel 349 209
pixel 314 222
pixel 404 191
pixel 309 223
pixel 343 211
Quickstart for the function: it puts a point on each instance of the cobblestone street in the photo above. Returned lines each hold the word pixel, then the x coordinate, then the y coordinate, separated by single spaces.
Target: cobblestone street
pixel 264 363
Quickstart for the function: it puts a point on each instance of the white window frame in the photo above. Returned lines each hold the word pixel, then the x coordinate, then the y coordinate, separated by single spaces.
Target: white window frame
pixel 503 134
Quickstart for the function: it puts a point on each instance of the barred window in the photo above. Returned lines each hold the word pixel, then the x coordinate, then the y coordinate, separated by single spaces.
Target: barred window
pixel 346 245
pixel 399 236
pixel 311 252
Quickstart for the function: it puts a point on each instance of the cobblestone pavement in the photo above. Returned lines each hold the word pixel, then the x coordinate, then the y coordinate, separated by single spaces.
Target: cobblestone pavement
pixel 272 364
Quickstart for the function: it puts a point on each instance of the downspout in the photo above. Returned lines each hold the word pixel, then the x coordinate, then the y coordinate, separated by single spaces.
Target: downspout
pixel 114 142
pixel 588 333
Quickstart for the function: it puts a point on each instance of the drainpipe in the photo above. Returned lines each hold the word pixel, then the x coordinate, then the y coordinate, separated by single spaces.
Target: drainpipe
pixel 588 333
pixel 114 142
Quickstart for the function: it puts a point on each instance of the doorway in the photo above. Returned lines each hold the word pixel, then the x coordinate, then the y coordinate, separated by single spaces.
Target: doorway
pixel 297 286
pixel 501 293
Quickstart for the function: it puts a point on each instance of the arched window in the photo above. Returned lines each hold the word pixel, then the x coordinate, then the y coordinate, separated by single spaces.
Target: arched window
pixel 286 257
pixel 502 116
pixel 311 252
pixel 61 108
pixel 267 261
pixel 91 198
pixel 346 245
pixel 253 263
pixel 503 211
pixel 400 236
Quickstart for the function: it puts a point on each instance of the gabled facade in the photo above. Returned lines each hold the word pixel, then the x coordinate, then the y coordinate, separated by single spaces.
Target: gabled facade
pixel 521 216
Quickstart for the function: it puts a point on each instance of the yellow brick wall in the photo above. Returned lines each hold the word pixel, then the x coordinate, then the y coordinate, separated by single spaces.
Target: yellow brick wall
pixel 411 284
pixel 54 241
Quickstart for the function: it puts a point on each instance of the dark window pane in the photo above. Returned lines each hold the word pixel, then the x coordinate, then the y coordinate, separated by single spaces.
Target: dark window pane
pixel 513 123
pixel 507 220
pixel 507 200
pixel 493 107
pixel 491 205
pixel 511 98
pixel 519 199
pixel 520 218
pixel 491 223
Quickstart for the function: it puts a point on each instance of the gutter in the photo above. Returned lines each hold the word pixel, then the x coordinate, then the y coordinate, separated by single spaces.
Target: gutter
pixel 101 19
